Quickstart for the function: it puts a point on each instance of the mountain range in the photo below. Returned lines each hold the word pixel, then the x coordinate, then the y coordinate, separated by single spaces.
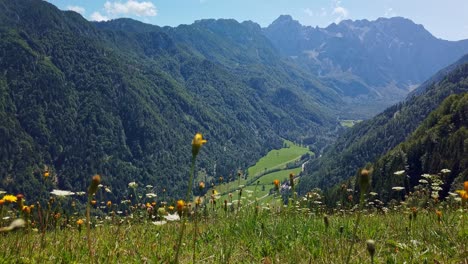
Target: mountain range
pixel 372 64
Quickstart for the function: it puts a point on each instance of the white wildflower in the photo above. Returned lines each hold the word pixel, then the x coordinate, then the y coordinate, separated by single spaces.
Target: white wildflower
pixel 398 188
pixel 158 223
pixel 172 217
pixel 62 193
pixel 400 172
pixel 151 195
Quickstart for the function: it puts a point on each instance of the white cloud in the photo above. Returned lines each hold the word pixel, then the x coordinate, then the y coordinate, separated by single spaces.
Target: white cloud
pixel 131 7
pixel 389 12
pixel 309 12
pixel 341 12
pixel 323 12
pixel 96 16
pixel 77 9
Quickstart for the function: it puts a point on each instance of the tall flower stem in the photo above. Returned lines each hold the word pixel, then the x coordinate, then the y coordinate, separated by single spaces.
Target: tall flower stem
pixel 88 228
pixel 184 219
pixel 358 219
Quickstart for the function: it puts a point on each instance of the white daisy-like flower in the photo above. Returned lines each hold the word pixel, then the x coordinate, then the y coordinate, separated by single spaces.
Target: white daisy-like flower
pixel 158 223
pixel 62 193
pixel 151 195
pixel 423 181
pixel 2 192
pixel 373 193
pixel 400 172
pixel 427 176
pixel 445 171
pixel 172 217
pixel 108 190
pixel 149 186
pixel 80 193
pixel 132 185
pixel 398 188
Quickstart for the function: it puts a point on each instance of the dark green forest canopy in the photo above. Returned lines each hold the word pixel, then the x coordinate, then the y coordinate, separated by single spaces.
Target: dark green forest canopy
pixel 124 99
pixel 370 140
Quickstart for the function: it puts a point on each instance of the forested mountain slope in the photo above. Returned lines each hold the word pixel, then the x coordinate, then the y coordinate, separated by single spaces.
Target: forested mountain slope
pixel 439 143
pixel 370 139
pixel 79 98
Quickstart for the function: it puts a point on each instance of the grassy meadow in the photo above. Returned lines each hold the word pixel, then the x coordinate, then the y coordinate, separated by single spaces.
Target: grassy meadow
pixel 252 224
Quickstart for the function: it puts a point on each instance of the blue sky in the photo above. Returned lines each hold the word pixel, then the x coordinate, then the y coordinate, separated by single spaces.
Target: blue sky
pixel 446 19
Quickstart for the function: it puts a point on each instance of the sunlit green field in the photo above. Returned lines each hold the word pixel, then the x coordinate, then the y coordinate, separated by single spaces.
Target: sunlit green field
pixel 278 158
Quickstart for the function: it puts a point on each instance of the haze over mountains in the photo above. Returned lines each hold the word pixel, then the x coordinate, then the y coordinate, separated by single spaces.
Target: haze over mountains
pixel 124 98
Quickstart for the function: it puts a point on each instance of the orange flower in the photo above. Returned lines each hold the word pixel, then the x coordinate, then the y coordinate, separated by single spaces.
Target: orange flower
pixel 109 203
pixel 463 194
pixel 93 202
pixel 26 209
pixel 439 214
pixel 276 183
pixel 94 184
pixel 46 174
pixel 2 202
pixel 201 185
pixel 465 186
pixel 79 222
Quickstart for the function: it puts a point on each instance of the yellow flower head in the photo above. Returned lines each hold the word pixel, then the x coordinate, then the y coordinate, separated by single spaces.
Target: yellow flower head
pixel 109 203
pixel 197 143
pixel 26 209
pixel 46 174
pixel 10 198
pixel 79 222
pixel 438 213
pixel 180 205
pixel 463 194
pixel 171 208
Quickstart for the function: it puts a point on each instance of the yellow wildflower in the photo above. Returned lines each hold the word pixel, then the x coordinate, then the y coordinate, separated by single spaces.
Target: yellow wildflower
pixel 10 198
pixel 197 143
